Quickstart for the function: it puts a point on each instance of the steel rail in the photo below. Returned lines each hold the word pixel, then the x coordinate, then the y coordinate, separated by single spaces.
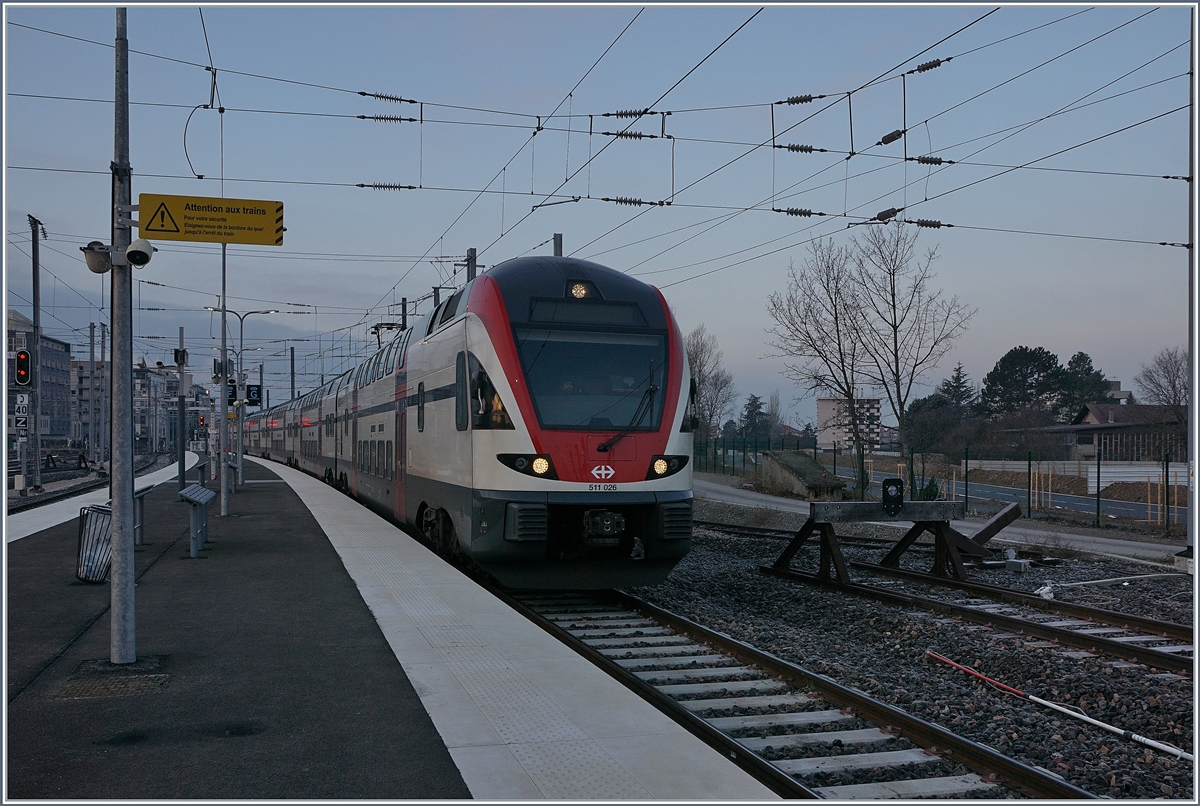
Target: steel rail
pixel 760 769
pixel 1017 775
pixel 1118 649
pixel 1183 632
pixel 788 534
pixel 13 507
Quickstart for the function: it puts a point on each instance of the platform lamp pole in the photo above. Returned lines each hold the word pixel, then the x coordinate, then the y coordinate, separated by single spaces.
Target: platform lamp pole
pixel 181 421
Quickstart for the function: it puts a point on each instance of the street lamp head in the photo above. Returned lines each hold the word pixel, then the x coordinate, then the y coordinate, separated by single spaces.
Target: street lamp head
pixel 95 254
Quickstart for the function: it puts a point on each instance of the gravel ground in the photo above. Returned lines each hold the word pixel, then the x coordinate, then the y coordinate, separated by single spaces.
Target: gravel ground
pixel 881 650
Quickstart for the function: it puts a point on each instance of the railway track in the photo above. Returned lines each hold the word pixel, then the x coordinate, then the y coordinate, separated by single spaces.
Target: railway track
pixel 60 495
pixel 800 733
pixel 1103 631
pixel 1162 644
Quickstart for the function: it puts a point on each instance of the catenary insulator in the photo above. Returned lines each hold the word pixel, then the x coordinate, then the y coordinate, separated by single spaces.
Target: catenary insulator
pixel 387 186
pixel 383 96
pixel 930 160
pixel 799 99
pixel 803 149
pixel 387 118
pixel 921 68
pixel 625 200
pixel 627 135
pixel 627 113
pixel 891 137
pixel 799 211
pixel 886 214
pixel 931 224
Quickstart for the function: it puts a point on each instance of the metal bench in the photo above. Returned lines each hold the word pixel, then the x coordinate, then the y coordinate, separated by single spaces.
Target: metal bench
pixel 201 478
pixel 198 498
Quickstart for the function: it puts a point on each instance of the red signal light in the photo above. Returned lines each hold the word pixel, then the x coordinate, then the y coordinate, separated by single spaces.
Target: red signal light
pixel 22 378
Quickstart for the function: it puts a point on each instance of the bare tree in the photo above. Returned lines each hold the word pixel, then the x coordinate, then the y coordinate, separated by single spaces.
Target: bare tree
pixel 903 325
pixel 715 392
pixel 814 329
pixel 1165 381
pixel 776 419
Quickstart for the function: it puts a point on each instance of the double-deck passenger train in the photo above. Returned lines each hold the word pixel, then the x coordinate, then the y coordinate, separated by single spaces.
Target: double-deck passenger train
pixel 539 423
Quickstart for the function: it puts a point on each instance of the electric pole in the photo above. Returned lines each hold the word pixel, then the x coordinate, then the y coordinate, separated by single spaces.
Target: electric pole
pixel 123 644
pixel 35 358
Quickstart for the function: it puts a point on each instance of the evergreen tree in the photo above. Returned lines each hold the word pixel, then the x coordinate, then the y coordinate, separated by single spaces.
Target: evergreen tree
pixel 1084 384
pixel 1025 379
pixel 754 419
pixel 958 390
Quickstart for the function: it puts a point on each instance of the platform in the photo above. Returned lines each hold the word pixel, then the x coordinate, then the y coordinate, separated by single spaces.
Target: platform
pixel 318 652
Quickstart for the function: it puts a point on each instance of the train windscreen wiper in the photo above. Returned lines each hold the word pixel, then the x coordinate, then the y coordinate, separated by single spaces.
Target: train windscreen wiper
pixel 644 407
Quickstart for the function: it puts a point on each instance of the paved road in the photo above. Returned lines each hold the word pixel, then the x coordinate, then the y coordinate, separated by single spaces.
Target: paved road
pixel 1157 552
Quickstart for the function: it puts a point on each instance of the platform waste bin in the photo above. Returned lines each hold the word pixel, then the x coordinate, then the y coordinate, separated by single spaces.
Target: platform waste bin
pixel 95 543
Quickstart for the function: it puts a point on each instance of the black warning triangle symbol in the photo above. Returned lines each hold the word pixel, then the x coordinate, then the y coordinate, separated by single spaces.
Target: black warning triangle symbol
pixel 161 221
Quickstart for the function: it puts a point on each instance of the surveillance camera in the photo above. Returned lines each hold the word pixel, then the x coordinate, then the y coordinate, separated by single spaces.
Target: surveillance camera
pixel 139 252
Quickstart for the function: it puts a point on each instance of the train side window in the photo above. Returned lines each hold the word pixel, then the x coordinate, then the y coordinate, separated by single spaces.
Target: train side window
pixel 373 460
pixel 461 418
pixel 403 351
pixel 387 468
pixel 451 307
pixel 433 318
pixel 421 406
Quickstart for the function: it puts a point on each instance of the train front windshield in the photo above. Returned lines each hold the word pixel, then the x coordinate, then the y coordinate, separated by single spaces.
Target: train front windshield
pixel 600 380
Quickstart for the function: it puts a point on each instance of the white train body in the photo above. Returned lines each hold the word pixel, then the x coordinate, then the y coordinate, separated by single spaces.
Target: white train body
pixel 540 423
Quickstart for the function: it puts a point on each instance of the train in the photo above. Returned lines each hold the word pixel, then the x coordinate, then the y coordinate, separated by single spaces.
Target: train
pixel 537 425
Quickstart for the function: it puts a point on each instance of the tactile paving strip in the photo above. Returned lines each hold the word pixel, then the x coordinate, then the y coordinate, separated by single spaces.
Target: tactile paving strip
pixel 557 755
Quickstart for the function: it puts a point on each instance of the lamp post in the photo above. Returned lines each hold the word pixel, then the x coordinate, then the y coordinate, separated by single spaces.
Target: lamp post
pixel 241 380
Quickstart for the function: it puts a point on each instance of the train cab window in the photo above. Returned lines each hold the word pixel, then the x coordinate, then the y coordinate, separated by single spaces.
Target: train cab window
pixel 487 409
pixel 421 406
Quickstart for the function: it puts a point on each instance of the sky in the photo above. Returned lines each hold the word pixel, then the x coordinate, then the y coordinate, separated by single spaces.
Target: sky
pixel 1062 121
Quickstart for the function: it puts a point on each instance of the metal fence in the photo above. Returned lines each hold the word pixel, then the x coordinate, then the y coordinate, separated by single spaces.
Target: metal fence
pixel 737 456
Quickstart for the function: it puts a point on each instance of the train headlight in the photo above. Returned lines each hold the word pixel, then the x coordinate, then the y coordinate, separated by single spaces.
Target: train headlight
pixel 663 466
pixel 531 464
pixel 579 290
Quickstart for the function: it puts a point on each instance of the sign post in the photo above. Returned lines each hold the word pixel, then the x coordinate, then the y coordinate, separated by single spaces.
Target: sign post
pixel 213 220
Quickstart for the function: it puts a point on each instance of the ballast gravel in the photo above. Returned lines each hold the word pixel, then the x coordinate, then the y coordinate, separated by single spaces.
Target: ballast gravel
pixel 881 650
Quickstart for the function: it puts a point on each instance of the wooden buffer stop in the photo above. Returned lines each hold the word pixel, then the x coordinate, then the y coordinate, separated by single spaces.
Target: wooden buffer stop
pixel 950 545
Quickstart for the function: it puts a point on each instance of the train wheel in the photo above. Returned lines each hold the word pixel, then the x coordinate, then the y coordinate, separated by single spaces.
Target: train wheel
pixel 439 531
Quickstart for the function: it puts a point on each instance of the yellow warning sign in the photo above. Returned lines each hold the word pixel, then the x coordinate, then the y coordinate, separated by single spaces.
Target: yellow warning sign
pixel 199 218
